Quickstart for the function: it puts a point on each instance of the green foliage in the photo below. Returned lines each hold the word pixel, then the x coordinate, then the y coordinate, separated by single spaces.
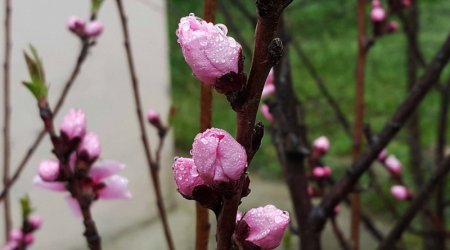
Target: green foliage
pixel 25 204
pixel 37 84
pixel 95 6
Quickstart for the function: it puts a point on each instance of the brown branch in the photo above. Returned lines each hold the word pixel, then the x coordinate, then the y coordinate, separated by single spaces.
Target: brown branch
pixel 395 123
pixel 202 213
pixel 266 52
pixel 67 86
pixel 153 166
pixel 359 116
pixel 339 235
pixel 416 205
pixel 7 116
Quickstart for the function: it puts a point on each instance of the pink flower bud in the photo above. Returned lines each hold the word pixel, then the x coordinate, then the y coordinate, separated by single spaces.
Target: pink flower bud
pixel 392 27
pixel 238 216
pixel 207 49
pixel 94 28
pixel 186 176
pixel 49 170
pixel 378 14
pixel 269 86
pixel 15 235
pixel 76 25
pixel 321 145
pixel 154 118
pixel 393 165
pixel 28 238
pixel 35 221
pixel 318 172
pixel 218 156
pixel 382 155
pixel 400 192
pixel 90 146
pixel 265 111
pixel 266 226
pixel 74 124
pixel 327 171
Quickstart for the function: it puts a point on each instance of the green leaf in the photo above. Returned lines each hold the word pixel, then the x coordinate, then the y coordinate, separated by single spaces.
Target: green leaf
pixel 95 6
pixel 25 203
pixel 37 85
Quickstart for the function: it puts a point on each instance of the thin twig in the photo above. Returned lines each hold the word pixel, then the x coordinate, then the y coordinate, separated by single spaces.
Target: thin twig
pixel 419 201
pixel 7 116
pixel 339 235
pixel 391 128
pixel 153 167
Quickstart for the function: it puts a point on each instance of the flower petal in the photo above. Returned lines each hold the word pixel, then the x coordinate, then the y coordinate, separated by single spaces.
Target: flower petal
pixel 116 187
pixel 54 185
pixel 105 169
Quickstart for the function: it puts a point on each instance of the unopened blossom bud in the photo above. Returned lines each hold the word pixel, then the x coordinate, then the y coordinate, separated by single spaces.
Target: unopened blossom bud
pixel 378 14
pixel 154 119
pixel 269 86
pixel 318 172
pixel 310 191
pixel 238 216
pixel 400 192
pixel 266 226
pixel 76 25
pixel 207 49
pixel 218 156
pixel 382 155
pixel 265 111
pixel 28 238
pixel 186 176
pixel 74 125
pixel 392 27
pixel 321 145
pixel 393 165
pixel 15 235
pixel 90 147
pixel 35 221
pixel 94 28
pixel 49 170
pixel 327 171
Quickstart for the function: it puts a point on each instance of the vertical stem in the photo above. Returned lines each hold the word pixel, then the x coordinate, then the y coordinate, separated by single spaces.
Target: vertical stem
pixel 359 117
pixel 153 166
pixel 202 219
pixel 6 118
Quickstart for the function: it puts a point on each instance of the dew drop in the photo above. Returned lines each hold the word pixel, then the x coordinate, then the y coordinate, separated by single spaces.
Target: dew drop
pixel 191 14
pixel 222 28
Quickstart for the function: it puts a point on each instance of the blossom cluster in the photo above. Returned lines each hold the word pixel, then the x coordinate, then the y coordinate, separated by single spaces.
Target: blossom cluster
pixel 99 179
pixel 393 165
pixel 23 237
pixel 379 16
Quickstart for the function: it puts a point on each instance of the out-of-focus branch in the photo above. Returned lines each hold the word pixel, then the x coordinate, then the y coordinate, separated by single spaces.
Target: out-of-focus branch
pixel 153 166
pixel 416 205
pixel 395 123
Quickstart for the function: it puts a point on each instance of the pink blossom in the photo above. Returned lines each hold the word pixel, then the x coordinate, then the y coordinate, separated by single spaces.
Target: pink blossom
pixel 74 124
pixel 76 25
pixel 265 111
pixel 269 86
pixel 15 235
pixel 35 221
pixel 90 146
pixel 337 209
pixel 310 191
pixel 266 226
pixel 113 186
pixel 393 165
pixel 74 206
pixel 53 185
pixel 154 118
pixel 49 170
pixel 400 192
pixel 218 156
pixel 406 3
pixel 238 216
pixel 327 171
pixel 378 14
pixel 321 145
pixel 186 176
pixel 207 49
pixel 28 238
pixel 94 28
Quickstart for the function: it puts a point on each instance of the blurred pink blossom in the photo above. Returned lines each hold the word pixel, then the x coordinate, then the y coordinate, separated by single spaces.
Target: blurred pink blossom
pixel 400 192
pixel 94 28
pixel 265 111
pixel 393 165
pixel 74 124
pixel 269 86
pixel 76 25
pixel 49 170
pixel 90 146
pixel 321 145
